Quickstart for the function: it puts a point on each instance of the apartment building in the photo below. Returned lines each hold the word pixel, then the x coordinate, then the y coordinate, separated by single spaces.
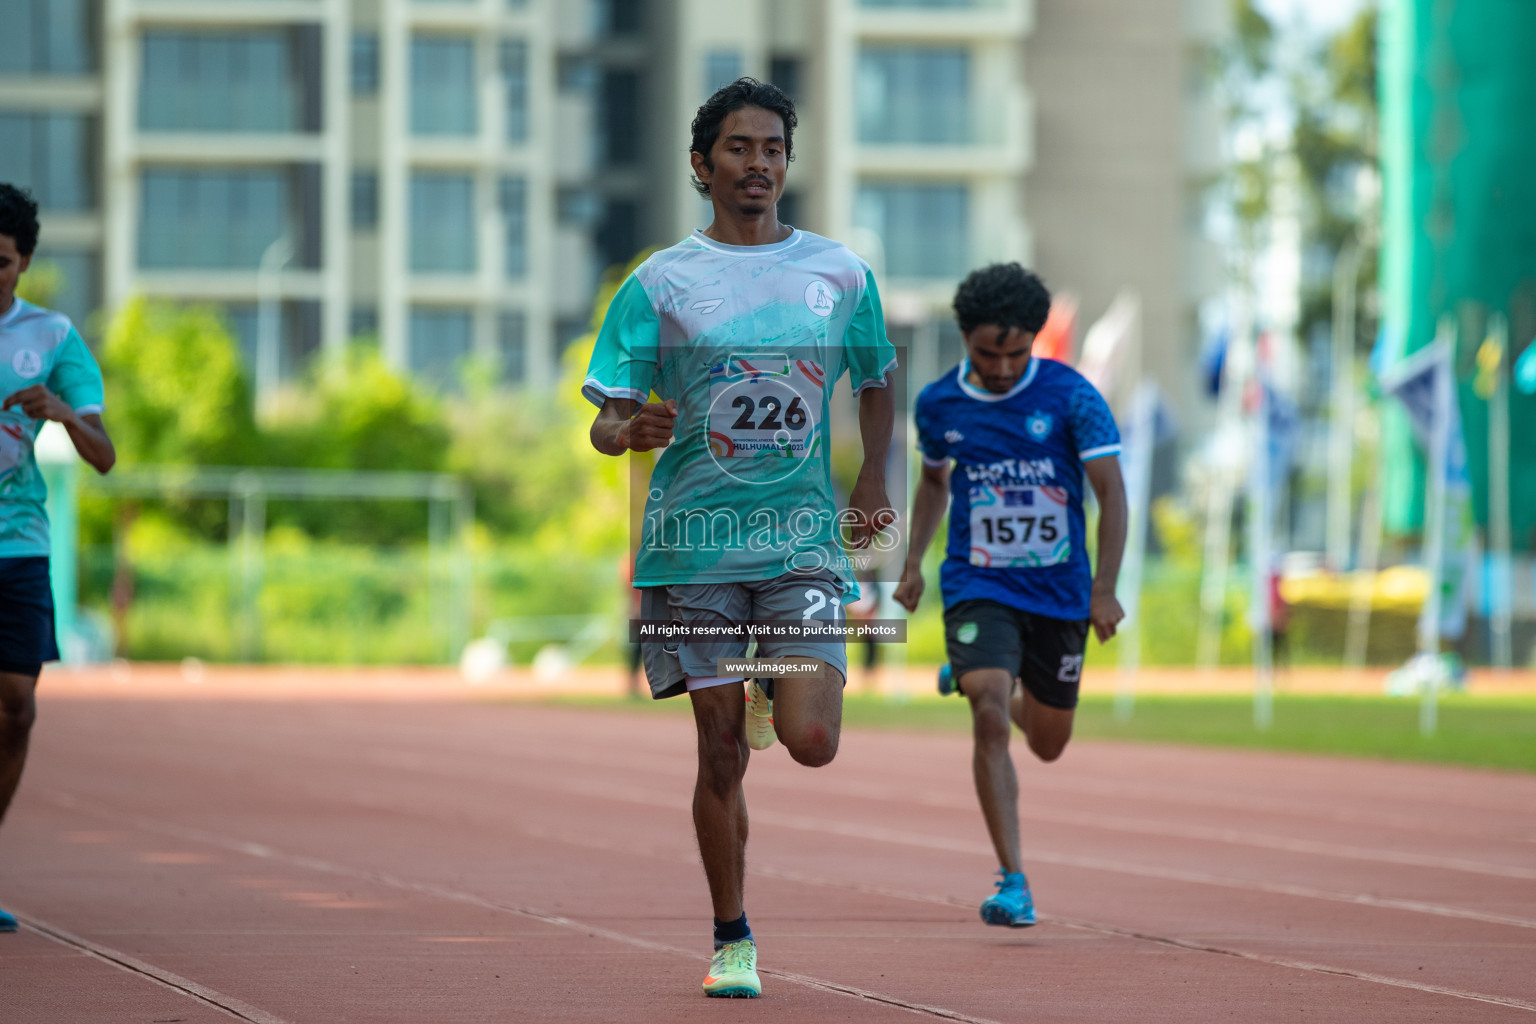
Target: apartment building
pixel 452 176
pixel 321 169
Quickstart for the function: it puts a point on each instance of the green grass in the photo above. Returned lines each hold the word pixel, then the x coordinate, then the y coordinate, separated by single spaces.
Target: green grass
pixel 1485 732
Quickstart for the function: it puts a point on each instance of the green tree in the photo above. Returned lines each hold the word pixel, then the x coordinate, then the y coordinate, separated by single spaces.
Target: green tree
pixel 359 414
pixel 1335 143
pixel 531 462
pixel 176 392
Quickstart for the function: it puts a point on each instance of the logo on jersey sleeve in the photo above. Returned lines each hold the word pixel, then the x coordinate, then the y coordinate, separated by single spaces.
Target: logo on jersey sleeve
pixel 953 436
pixel 1038 425
pixel 707 306
pixel 27 363
pixel 818 298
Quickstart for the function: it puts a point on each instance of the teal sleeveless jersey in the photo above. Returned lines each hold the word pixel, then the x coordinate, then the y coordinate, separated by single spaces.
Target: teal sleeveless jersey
pixel 749 340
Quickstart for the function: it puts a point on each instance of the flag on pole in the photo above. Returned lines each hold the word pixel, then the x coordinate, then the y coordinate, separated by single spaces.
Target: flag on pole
pixel 1107 342
pixel 1425 385
pixel 1058 337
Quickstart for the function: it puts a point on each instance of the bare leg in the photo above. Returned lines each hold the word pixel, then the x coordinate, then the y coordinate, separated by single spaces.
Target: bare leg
pixel 1046 728
pixel 808 716
pixel 997 786
pixel 18 710
pixel 719 805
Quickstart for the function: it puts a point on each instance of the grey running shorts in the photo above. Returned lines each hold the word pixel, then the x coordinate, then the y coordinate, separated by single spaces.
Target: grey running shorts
pixel 791 597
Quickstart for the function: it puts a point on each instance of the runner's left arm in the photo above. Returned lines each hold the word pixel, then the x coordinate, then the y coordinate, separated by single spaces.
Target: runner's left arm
pixel 871 359
pixel 877 415
pixel 1104 610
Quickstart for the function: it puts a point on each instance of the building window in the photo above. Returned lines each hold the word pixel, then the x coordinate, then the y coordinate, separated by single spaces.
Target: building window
pixel 52 156
pixel 914 94
pixel 365 200
pixel 46 37
pixel 622 118
pixel 443 86
pixel 442 222
pixel 922 227
pixel 578 208
pixel 514 77
pixel 513 199
pixel 78 286
pixel 363 322
pixel 440 341
pixel 365 63
pixel 784 72
pixel 721 67
pixel 618 238
pixel 248 81
pixel 621 17
pixel 297 332
pixel 214 218
pixel 512 342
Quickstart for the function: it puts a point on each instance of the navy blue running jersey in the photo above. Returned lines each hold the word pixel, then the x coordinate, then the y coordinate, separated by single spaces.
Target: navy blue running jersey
pixel 1016 531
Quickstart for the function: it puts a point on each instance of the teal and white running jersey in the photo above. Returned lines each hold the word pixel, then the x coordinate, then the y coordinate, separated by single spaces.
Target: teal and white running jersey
pixel 749 340
pixel 37 346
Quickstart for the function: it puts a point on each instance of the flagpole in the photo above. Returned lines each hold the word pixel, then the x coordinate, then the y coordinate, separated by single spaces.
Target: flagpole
pixel 1261 557
pixel 1138 481
pixel 1362 588
pixel 1341 408
pixel 1434 519
pixel 1219 497
pixel 1499 530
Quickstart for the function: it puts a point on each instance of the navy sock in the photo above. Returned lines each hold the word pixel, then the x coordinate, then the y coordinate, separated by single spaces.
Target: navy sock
pixel 727 932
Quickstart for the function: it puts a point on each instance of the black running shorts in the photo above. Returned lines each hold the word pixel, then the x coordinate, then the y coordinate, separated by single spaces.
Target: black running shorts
pixel 1046 653
pixel 26 616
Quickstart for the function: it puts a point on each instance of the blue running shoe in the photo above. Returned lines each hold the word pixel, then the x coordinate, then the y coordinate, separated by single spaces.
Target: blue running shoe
pixel 1012 905
pixel 946 681
pixel 7 922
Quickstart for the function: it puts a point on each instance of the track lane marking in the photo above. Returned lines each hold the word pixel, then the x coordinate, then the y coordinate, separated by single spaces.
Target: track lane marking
pixel 259 850
pixel 263 851
pixel 1111 822
pixel 228 1005
pixel 875 833
pixel 894 836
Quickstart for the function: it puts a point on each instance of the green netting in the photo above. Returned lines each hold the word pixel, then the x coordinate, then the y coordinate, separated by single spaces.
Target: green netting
pixel 1458 101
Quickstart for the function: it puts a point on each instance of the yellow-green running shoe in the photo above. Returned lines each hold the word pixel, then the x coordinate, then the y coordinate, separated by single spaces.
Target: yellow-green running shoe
pixel 760 734
pixel 733 972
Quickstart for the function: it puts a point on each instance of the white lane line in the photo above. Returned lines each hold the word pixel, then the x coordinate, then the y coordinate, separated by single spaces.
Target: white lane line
pixel 587 842
pixel 895 836
pixel 1197 947
pixel 875 833
pixel 1303 965
pixel 1236 837
pixel 265 852
pixel 885 792
pixel 228 1005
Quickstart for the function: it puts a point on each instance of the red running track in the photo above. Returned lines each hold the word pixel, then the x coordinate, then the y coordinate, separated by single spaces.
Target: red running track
pixel 445 861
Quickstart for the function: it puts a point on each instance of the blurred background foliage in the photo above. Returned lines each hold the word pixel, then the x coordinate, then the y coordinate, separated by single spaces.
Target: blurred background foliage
pixel 341 580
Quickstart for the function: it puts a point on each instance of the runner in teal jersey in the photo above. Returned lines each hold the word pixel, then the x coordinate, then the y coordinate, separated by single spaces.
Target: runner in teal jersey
pixel 741 330
pixel 46 373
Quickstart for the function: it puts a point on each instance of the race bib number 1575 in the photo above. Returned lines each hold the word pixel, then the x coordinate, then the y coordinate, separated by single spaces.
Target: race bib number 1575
pixel 1018 526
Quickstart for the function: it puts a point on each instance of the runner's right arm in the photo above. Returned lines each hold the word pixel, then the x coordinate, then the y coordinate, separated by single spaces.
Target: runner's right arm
pixel 929 502
pixel 619 428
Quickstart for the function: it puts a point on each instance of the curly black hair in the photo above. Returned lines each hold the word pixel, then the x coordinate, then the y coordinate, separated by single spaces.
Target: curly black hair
pixel 18 217
pixel 1004 294
pixel 744 92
